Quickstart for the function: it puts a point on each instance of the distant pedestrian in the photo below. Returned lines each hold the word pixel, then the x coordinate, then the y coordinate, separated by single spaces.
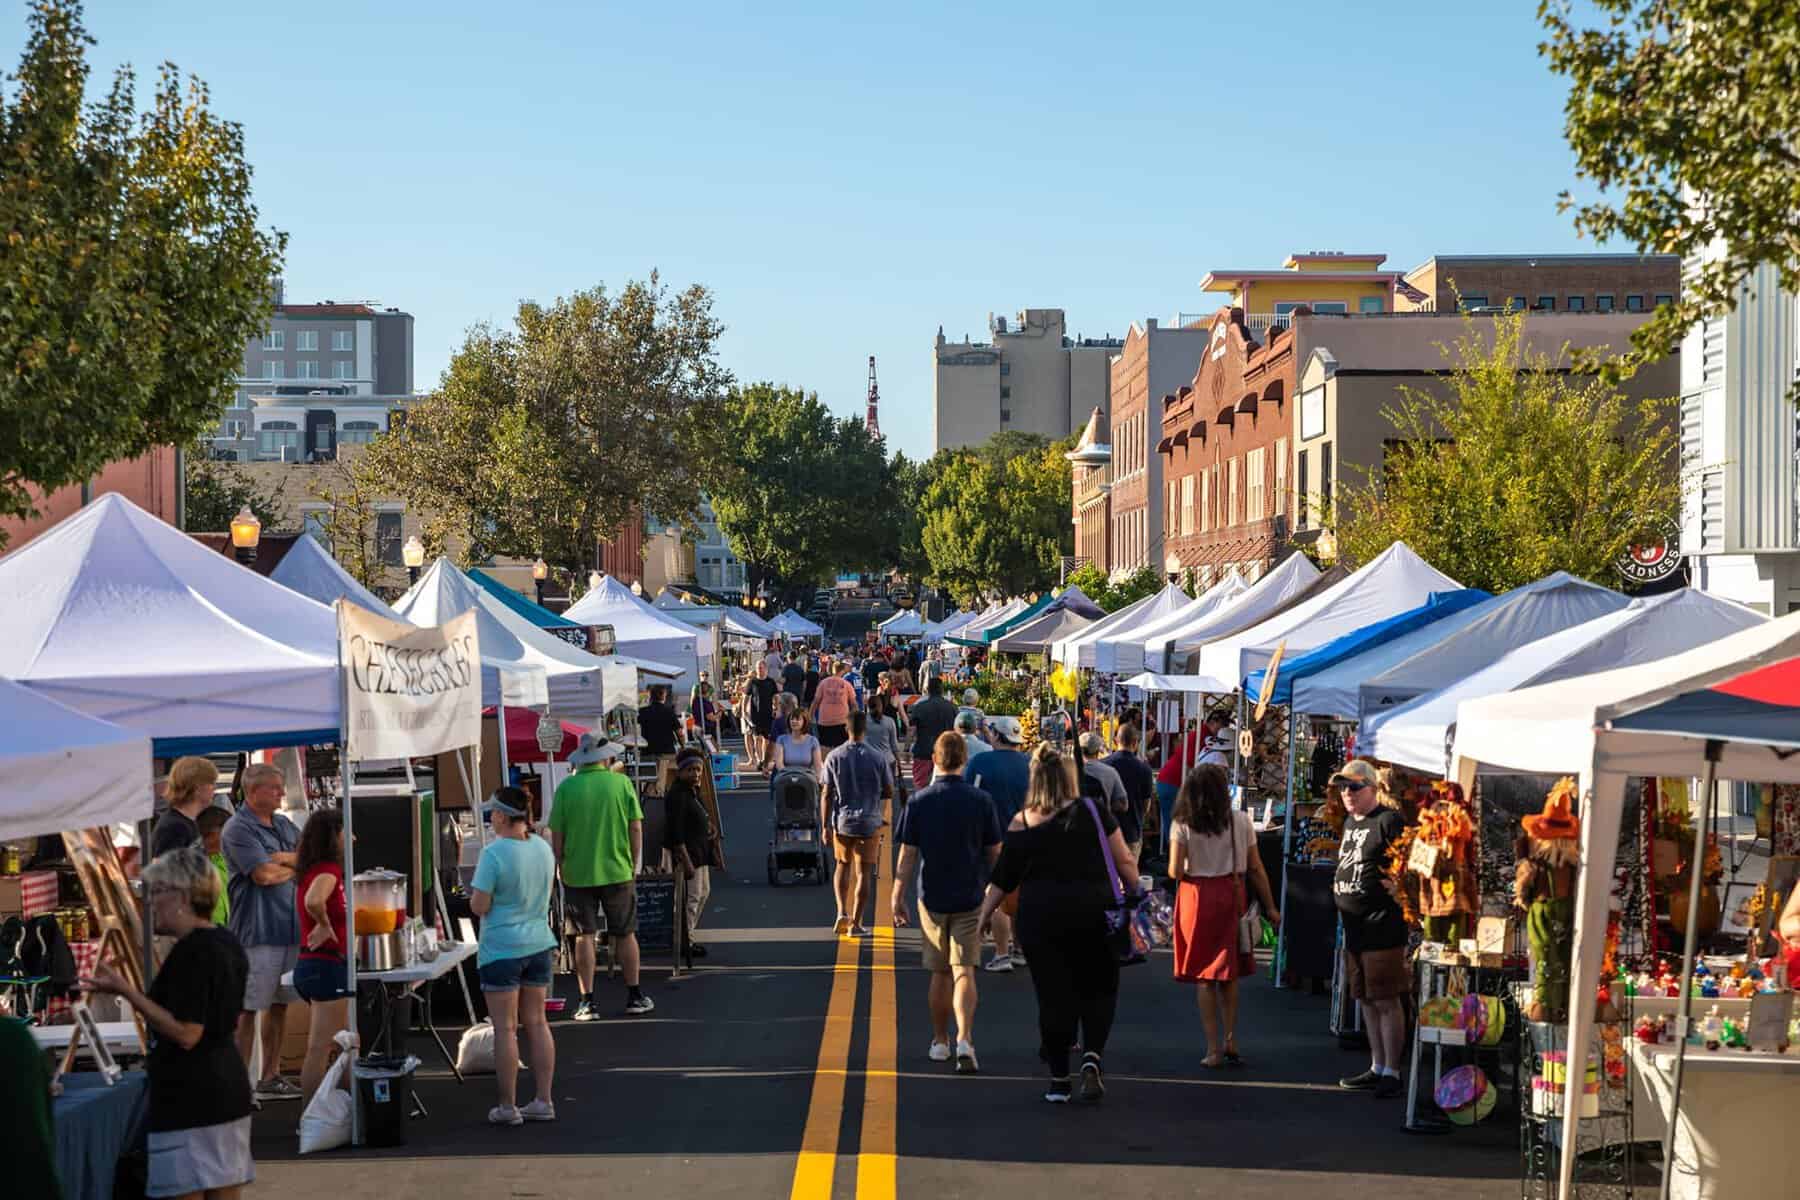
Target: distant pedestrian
pixel 859 784
pixel 260 845
pixel 1182 753
pixel 597 831
pixel 759 702
pixel 1055 857
pixel 798 750
pixel 1004 773
pixel 1139 782
pixel 1214 863
pixel 949 833
pixel 1103 777
pixel 793 677
pixel 832 703
pixel 811 681
pixel 690 839
pixel 658 723
pixel 191 782
pixel 511 895
pixel 884 734
pixel 969 725
pixel 930 718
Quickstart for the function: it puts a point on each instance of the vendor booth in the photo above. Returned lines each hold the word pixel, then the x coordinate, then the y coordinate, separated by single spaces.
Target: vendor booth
pixel 309 568
pixel 1036 636
pixel 1168 645
pixel 639 630
pixel 936 631
pixel 973 633
pixel 1720 710
pixel 1082 648
pixel 1129 650
pixel 907 623
pixel 790 624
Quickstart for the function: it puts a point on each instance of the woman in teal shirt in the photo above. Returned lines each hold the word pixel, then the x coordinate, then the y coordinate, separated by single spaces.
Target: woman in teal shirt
pixel 511 895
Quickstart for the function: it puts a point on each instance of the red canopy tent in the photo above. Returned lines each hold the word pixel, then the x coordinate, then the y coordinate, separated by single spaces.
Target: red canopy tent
pixel 521 736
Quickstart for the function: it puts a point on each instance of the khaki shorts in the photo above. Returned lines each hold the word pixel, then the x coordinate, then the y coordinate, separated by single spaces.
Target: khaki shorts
pixel 950 941
pixel 865 850
pixel 1378 974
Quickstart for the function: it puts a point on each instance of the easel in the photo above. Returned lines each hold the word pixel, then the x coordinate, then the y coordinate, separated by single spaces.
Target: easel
pixel 121 929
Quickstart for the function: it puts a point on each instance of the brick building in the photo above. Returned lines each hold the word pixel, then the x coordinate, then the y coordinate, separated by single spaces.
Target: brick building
pixel 1154 361
pixel 1091 486
pixel 1224 446
pixel 1543 282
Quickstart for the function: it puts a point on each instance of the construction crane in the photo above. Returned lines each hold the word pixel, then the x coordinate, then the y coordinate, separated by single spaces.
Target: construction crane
pixel 871 422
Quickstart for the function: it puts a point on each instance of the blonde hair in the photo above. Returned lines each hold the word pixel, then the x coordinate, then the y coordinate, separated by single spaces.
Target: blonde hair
pixel 191 776
pixel 1052 787
pixel 188 871
pixel 950 752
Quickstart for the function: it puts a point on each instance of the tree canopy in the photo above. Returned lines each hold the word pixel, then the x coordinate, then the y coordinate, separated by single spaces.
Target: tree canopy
pixel 997 516
pixel 1683 113
pixel 1517 470
pixel 132 271
pixel 1094 584
pixel 545 438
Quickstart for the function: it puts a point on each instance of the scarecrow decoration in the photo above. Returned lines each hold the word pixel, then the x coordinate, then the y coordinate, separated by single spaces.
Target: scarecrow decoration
pixel 1544 887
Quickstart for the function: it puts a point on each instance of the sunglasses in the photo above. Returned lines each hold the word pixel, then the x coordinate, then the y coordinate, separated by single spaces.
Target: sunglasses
pixel 1352 787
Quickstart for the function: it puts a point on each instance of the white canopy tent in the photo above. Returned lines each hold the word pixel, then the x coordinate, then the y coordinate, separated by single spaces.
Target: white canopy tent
pixel 1093 647
pixel 63 770
pixel 1416 733
pixel 1393 582
pixel 1036 635
pixel 577 684
pixel 1146 647
pixel 972 630
pixel 220 657
pixel 1471 640
pixel 309 569
pixel 935 631
pixel 1567 728
pixel 905 623
pixel 791 624
pixel 639 630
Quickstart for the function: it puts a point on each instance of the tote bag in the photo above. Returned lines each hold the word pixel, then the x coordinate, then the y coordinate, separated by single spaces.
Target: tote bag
pixel 1128 918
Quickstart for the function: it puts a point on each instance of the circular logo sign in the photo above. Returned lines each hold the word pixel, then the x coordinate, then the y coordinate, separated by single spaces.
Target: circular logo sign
pixel 1654 557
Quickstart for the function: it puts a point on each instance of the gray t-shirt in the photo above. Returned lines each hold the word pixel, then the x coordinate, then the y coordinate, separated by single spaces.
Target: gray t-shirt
pixel 856 775
pixel 260 915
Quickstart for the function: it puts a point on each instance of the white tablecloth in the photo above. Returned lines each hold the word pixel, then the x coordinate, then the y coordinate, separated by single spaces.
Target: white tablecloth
pixel 1735 1134
pixel 420 972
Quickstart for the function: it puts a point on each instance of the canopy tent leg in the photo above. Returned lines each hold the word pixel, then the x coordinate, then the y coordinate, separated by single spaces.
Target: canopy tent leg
pixel 1287 850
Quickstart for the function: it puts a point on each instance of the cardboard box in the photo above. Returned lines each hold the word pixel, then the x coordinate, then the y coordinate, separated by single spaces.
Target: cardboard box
pixel 28 894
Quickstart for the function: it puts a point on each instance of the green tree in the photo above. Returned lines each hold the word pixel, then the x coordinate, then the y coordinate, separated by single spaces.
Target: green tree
pixel 802 493
pixel 1145 581
pixel 1683 113
pixel 131 268
pixel 351 488
pixel 1094 585
pixel 907 483
pixel 1516 471
pixel 544 439
pixel 996 517
pixel 215 492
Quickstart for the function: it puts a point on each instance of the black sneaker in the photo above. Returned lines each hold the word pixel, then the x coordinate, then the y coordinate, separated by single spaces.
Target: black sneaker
pixel 1058 1092
pixel 1363 1082
pixel 1387 1087
pixel 1093 1087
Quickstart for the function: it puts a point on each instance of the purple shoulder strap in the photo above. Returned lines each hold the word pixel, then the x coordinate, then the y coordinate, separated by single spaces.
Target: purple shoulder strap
pixel 1112 871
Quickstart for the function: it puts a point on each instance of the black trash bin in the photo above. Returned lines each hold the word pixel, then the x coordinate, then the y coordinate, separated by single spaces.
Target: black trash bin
pixel 384 1085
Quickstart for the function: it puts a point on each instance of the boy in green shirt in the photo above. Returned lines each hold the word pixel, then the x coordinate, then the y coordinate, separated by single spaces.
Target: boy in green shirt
pixel 212 822
pixel 597 830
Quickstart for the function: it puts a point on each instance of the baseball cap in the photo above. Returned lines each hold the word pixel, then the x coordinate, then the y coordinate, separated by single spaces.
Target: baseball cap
pixel 1357 770
pixel 1008 730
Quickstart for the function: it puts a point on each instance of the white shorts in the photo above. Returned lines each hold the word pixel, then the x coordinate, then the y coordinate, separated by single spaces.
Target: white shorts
pixel 263 986
pixel 186 1161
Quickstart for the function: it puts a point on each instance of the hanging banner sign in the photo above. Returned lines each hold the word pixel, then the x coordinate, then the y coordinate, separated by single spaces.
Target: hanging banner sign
pixel 408 691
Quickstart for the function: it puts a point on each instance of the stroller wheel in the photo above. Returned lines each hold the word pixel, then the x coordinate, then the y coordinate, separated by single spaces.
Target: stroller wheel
pixel 774 873
pixel 823 871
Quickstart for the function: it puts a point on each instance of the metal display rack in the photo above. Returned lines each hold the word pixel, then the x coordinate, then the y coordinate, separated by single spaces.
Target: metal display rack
pixel 1606 1160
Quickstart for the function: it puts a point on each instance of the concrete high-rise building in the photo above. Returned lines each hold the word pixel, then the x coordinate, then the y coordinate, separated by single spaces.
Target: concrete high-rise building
pixel 1031 377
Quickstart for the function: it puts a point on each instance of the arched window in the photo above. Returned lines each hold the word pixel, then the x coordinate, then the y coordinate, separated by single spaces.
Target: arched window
pixel 357 433
pixel 272 437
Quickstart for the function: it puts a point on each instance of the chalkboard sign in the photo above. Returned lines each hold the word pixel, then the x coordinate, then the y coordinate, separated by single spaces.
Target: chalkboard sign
pixel 658 911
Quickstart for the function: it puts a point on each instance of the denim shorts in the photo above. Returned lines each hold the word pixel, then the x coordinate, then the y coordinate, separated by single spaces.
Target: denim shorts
pixel 510 974
pixel 321 979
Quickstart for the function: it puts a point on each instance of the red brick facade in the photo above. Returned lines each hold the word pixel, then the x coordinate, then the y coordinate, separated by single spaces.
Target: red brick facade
pixel 623 556
pixel 1226 444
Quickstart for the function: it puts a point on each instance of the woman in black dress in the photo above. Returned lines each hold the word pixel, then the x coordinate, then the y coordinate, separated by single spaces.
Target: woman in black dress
pixel 1053 856
pixel 199 1119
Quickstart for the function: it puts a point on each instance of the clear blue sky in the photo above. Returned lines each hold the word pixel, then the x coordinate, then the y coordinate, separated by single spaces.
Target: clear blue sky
pixel 846 180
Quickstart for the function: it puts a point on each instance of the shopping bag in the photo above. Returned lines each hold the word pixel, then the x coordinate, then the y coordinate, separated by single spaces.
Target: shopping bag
pixel 325 1125
pixel 1128 919
pixel 475 1053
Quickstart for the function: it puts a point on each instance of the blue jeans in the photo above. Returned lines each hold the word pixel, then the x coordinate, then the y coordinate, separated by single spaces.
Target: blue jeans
pixel 510 974
pixel 319 980
pixel 1165 803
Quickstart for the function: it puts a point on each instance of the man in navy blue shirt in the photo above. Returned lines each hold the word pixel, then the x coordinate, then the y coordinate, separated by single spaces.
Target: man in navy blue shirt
pixel 952 828
pixel 1004 773
pixel 1140 784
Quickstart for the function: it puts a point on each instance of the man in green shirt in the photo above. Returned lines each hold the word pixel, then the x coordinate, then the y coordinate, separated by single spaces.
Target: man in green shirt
pixel 597 831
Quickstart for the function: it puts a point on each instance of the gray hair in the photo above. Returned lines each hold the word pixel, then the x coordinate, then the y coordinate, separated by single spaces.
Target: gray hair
pixel 971 696
pixel 188 871
pixel 257 774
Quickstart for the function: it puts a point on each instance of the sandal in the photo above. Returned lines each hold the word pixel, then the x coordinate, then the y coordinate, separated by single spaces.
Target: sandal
pixel 1232 1060
pixel 1213 1066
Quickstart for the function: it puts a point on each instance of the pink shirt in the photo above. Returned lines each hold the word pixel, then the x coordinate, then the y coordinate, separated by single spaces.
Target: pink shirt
pixel 835 698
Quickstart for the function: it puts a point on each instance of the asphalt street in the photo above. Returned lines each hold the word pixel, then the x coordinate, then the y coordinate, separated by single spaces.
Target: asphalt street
pixel 790 1064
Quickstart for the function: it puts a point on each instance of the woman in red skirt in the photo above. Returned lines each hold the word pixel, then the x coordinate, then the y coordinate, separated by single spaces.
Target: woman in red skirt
pixel 1212 850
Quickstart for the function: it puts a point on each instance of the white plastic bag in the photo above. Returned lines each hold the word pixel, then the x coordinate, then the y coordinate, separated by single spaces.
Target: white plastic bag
pixel 475 1053
pixel 325 1125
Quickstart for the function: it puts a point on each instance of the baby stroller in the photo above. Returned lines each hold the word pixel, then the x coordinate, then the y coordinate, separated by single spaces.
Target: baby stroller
pixel 796 844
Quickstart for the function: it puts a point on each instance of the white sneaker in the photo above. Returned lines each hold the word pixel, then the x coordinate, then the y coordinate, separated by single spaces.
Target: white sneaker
pixel 504 1114
pixel 1000 964
pixel 1018 959
pixel 965 1059
pixel 538 1110
pixel 940 1052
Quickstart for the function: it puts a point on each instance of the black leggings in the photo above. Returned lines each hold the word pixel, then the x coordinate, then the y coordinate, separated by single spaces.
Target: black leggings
pixel 1076 976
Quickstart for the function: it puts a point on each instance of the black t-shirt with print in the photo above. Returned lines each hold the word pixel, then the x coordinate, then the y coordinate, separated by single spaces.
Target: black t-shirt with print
pixel 761 694
pixel 1372 917
pixel 201 983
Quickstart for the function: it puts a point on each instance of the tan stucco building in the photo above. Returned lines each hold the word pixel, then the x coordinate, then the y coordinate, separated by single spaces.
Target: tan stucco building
pixel 1030 377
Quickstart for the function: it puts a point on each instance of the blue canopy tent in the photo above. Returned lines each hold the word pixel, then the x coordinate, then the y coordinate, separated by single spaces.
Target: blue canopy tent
pixel 1439 606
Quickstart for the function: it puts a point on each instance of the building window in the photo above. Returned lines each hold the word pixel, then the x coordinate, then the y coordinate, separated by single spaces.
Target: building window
pixel 1369 304
pixel 275 437
pixel 1006 368
pixel 1325 484
pixel 1254 474
pixel 274 339
pixel 388 538
pixel 1005 392
pixel 1663 298
pixel 1576 303
pixel 306 339
pixel 1516 304
pixel 274 368
pixel 1205 501
pixel 1634 303
pixel 1281 477
pixel 1545 304
pixel 1231 494
pixel 1005 415
pixel 1301 499
pixel 343 368
pixel 343 339
pixel 1603 302
pixel 306 368
pixel 1468 302
pixel 358 433
pixel 1187 505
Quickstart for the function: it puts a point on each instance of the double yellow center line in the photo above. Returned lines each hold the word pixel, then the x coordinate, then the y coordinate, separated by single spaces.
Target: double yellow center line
pixel 817 1163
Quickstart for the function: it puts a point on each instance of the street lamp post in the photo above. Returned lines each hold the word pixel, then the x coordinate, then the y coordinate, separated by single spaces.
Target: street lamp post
pixel 637 587
pixel 540 571
pixel 246 532
pixel 413 555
